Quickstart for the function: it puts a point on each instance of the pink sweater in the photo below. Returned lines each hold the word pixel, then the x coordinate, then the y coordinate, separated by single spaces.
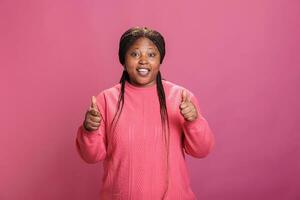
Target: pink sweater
pixel 134 157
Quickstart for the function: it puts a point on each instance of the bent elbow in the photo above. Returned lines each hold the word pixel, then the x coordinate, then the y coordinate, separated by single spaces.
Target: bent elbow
pixel 93 160
pixel 88 156
pixel 200 152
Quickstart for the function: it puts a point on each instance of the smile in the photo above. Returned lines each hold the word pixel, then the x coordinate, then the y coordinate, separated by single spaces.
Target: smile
pixel 143 71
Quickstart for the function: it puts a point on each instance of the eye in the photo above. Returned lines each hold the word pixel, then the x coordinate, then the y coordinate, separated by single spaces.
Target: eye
pixel 152 54
pixel 134 54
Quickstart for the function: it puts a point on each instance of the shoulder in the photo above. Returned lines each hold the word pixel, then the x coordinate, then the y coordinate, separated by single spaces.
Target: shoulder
pixel 109 93
pixel 114 90
pixel 174 88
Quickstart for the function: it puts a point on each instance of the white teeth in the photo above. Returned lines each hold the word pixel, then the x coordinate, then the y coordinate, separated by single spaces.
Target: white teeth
pixel 142 70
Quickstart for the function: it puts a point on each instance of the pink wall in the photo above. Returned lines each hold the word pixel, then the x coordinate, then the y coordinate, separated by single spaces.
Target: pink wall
pixel 240 58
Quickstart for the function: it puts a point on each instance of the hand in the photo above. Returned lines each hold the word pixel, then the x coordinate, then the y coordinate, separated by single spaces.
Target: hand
pixel 92 117
pixel 187 108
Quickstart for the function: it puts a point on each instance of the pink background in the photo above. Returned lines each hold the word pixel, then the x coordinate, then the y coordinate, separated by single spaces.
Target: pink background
pixel 240 58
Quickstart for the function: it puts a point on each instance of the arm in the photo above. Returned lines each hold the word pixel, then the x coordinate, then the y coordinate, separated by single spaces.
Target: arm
pixel 91 146
pixel 198 140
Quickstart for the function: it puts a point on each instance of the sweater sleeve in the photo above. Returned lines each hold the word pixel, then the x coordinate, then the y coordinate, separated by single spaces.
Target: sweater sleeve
pixel 91 146
pixel 198 140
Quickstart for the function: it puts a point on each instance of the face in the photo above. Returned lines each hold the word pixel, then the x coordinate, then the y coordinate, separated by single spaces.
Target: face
pixel 142 62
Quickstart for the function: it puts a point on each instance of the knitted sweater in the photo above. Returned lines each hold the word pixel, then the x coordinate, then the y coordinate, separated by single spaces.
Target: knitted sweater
pixel 134 157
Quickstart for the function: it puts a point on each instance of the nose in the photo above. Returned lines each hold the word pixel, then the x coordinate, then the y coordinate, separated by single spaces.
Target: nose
pixel 143 59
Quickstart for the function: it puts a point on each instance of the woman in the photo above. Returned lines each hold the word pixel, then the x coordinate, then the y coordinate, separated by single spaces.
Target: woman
pixel 142 127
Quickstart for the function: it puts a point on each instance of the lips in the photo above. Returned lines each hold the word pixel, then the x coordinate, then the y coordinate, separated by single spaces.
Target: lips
pixel 143 68
pixel 142 71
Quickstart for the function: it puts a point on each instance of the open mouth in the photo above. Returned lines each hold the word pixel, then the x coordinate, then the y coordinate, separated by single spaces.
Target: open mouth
pixel 143 71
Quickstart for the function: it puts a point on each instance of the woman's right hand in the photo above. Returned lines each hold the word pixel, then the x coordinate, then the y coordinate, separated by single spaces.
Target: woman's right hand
pixel 92 117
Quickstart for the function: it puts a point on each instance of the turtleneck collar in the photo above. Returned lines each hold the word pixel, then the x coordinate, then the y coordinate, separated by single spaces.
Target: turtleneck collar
pixel 137 88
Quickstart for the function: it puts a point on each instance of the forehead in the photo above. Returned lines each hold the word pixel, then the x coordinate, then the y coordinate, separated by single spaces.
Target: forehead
pixel 143 42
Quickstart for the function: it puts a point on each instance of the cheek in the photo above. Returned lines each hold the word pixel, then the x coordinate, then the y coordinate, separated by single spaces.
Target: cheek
pixel 131 71
pixel 129 60
pixel 130 64
pixel 155 63
pixel 155 67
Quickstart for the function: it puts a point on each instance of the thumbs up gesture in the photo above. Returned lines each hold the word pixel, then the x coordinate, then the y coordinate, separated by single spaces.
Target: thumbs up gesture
pixel 92 117
pixel 187 108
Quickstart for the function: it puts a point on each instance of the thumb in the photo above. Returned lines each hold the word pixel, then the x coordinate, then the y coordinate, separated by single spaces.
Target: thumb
pixel 94 103
pixel 184 97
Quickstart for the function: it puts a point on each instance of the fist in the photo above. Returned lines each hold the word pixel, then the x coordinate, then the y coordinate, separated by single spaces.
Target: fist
pixel 92 117
pixel 187 108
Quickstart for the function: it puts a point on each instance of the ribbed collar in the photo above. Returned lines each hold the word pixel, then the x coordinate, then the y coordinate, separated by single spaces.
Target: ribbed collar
pixel 140 89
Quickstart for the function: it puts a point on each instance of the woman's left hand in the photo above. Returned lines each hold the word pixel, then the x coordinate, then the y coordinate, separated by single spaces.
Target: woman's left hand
pixel 187 109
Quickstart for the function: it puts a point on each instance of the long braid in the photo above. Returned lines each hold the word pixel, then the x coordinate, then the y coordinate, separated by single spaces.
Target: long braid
pixel 123 79
pixel 164 120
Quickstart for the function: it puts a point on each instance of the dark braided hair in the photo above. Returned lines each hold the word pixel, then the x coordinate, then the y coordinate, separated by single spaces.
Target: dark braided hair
pixel 127 39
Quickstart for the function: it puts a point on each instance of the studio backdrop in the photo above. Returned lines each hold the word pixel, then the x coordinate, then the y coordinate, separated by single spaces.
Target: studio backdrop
pixel 240 58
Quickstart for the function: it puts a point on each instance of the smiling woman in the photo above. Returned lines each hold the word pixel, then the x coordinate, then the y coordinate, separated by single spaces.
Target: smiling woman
pixel 142 62
pixel 142 127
